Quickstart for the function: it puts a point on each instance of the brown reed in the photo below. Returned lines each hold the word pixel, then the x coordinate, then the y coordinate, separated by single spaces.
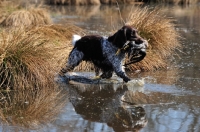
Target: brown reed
pixel 26 18
pixel 89 2
pixel 177 1
pixel 95 2
pixel 162 37
pixel 30 58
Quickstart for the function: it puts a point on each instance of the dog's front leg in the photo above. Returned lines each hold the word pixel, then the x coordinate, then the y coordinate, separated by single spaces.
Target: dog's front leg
pixel 123 76
pixel 119 70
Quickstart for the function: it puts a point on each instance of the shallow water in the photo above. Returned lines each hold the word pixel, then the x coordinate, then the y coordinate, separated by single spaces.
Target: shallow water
pixel 168 101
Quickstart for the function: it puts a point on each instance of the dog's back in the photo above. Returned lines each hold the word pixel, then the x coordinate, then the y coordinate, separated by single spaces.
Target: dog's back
pixel 90 46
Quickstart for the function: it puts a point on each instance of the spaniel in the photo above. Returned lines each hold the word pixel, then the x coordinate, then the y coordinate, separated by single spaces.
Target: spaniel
pixel 107 54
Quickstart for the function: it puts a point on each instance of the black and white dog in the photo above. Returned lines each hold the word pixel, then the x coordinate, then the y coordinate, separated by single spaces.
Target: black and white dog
pixel 107 54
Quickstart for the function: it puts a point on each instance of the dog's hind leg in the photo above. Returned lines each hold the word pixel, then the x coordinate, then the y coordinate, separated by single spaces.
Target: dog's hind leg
pixel 74 60
pixel 96 70
pixel 107 74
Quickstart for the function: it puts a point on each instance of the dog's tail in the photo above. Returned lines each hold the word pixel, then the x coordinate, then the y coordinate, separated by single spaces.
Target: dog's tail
pixel 75 38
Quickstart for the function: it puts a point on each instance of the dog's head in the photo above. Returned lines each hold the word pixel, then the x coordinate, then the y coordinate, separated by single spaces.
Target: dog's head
pixel 126 33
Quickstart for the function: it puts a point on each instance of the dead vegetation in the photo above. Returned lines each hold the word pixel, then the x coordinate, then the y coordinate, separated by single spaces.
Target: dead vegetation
pixel 31 57
pixel 89 2
pixel 97 2
pixel 162 37
pixel 177 2
pixel 26 18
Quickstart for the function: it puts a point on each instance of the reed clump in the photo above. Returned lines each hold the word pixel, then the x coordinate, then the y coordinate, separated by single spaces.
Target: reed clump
pixel 88 2
pixel 26 18
pixel 30 58
pixel 162 37
pixel 180 2
pixel 6 8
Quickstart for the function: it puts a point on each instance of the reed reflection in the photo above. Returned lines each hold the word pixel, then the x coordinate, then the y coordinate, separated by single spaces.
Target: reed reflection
pixel 103 103
pixel 25 110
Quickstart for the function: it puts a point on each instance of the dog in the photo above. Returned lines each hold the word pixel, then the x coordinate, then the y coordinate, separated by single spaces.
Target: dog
pixel 107 54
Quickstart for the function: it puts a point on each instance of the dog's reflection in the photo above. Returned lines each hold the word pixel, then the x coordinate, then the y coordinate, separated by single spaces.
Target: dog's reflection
pixel 102 103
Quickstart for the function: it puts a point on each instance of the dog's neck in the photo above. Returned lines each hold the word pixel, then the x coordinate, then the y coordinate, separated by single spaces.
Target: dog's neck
pixel 123 49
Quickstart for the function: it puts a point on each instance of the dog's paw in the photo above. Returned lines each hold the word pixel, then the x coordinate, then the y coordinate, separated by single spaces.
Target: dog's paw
pixel 126 79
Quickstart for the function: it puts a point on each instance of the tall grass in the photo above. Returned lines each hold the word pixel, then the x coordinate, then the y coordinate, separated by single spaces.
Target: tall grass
pixel 162 37
pixel 7 8
pixel 94 2
pixel 30 58
pixel 31 17
pixel 87 2
pixel 177 1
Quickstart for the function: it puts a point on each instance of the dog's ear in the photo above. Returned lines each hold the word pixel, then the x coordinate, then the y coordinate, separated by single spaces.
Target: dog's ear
pixel 119 38
pixel 112 38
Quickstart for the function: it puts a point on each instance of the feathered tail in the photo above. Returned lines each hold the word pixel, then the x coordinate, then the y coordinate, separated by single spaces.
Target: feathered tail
pixel 75 38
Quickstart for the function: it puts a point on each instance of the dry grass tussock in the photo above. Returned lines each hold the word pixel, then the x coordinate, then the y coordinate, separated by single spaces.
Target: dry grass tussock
pixel 6 8
pixel 179 1
pixel 31 109
pixel 25 18
pixel 162 37
pixel 89 2
pixel 30 59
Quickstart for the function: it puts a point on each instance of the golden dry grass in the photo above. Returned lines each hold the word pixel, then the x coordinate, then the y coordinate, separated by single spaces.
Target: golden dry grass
pixel 87 2
pixel 30 58
pixel 31 108
pixel 6 8
pixel 162 37
pixel 95 2
pixel 178 1
pixel 25 18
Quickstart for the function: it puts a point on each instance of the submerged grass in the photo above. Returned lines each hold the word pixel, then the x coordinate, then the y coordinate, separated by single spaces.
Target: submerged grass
pixel 162 37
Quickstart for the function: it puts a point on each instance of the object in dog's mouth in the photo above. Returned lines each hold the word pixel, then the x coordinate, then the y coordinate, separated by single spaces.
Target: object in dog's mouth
pixel 136 53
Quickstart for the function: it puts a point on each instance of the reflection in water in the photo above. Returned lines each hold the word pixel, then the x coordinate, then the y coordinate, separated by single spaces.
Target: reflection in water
pixel 102 103
pixel 25 110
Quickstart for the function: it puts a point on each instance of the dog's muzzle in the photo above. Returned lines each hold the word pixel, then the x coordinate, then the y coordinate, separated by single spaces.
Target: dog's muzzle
pixel 136 52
